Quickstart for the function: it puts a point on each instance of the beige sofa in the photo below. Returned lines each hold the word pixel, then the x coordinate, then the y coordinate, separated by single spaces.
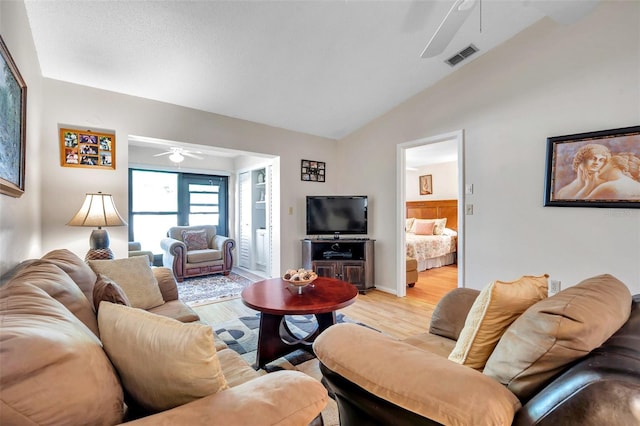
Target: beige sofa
pixel 211 254
pixel 64 365
pixel 526 359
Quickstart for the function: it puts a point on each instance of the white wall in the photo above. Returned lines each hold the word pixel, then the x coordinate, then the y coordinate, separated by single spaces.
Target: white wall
pixel 549 80
pixel 68 103
pixel 20 217
pixel 444 178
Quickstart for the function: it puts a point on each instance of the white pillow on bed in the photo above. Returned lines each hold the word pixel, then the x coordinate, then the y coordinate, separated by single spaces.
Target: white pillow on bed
pixel 409 224
pixel 438 228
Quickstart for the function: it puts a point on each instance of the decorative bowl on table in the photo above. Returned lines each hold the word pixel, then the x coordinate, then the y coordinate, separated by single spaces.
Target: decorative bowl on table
pixel 299 278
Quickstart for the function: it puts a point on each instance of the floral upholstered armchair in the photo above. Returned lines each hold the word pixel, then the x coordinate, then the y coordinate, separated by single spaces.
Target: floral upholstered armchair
pixel 192 251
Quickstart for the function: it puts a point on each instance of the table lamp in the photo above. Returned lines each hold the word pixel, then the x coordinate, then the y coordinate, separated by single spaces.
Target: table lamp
pixel 98 210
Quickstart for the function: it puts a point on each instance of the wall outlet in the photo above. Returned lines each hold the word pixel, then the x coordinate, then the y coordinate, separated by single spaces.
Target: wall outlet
pixel 468 209
pixel 554 286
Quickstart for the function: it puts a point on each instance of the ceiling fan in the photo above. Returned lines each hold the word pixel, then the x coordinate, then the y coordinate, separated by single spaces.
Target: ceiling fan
pixel 563 12
pixel 453 20
pixel 177 154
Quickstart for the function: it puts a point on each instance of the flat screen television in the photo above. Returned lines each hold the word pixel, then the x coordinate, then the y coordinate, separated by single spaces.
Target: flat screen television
pixel 337 214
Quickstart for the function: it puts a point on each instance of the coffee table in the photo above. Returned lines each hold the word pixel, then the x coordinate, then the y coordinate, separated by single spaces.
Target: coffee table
pixel 275 298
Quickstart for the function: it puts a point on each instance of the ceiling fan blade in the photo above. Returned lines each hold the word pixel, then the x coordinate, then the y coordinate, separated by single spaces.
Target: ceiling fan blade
pixel 164 153
pixel 448 28
pixel 188 154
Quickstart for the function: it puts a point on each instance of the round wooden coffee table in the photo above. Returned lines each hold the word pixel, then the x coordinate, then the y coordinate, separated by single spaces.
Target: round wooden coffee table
pixel 275 298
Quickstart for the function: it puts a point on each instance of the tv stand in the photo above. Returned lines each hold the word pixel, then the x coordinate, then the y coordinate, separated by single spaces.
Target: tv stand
pixel 350 260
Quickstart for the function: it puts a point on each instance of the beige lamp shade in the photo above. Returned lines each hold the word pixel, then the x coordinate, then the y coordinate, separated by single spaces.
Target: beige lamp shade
pixel 98 210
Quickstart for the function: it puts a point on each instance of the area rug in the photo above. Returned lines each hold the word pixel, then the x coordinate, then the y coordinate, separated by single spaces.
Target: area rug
pixel 211 288
pixel 241 335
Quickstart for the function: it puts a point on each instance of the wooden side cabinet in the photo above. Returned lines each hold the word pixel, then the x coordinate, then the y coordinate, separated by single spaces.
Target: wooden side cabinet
pixel 348 260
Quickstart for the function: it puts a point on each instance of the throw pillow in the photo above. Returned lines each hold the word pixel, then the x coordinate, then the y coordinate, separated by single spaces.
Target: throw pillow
pixel 195 240
pixel 424 228
pixel 106 289
pixel 135 277
pixel 440 224
pixel 409 224
pixel 556 332
pixel 495 308
pixel 163 363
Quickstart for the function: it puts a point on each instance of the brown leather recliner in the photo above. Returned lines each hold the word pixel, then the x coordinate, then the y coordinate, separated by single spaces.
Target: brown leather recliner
pixel 411 382
pixel 215 256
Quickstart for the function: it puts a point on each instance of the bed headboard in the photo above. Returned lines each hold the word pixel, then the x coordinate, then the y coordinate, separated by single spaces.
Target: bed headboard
pixel 436 209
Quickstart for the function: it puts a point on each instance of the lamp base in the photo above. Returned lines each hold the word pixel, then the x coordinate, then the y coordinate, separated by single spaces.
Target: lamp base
pixel 99 239
pixel 99 254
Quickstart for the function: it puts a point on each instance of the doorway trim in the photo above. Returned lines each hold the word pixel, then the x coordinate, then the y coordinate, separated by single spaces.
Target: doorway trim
pixel 458 135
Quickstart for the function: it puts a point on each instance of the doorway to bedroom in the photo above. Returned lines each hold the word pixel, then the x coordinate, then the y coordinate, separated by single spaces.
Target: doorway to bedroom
pixel 430 179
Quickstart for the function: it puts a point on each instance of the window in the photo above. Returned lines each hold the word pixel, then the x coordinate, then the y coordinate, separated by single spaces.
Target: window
pixel 160 200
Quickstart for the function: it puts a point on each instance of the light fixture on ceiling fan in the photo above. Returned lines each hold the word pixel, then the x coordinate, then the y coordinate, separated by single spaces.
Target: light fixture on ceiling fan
pixel 177 154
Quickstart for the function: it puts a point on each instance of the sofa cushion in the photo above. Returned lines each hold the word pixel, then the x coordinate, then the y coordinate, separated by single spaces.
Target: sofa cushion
pixel 176 309
pixel 106 289
pixel 53 371
pixel 59 285
pixel 495 308
pixel 195 239
pixel 135 277
pixel 77 269
pixel 432 343
pixel 163 363
pixel 200 256
pixel 236 369
pixel 447 319
pixel 557 331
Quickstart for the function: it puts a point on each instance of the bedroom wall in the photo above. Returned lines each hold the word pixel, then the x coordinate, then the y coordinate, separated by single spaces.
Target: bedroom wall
pixel 444 180
pixel 549 80
pixel 20 217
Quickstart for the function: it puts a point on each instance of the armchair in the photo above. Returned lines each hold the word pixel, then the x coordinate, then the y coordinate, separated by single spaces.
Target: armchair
pixel 192 251
pixel 135 249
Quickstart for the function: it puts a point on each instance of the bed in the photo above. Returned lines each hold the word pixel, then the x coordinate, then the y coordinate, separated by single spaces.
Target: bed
pixel 437 249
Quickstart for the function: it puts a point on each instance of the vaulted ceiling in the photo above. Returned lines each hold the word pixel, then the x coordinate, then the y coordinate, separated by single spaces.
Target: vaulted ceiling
pixel 324 68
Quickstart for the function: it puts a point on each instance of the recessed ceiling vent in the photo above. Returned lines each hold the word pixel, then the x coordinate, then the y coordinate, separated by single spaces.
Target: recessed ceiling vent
pixel 462 55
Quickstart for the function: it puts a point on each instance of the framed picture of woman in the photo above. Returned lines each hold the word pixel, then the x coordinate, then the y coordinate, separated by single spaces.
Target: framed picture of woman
pixel 426 185
pixel 596 169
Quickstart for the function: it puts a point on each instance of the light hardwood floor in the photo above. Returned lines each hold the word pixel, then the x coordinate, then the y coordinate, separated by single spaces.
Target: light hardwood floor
pixel 397 316
pixel 434 283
